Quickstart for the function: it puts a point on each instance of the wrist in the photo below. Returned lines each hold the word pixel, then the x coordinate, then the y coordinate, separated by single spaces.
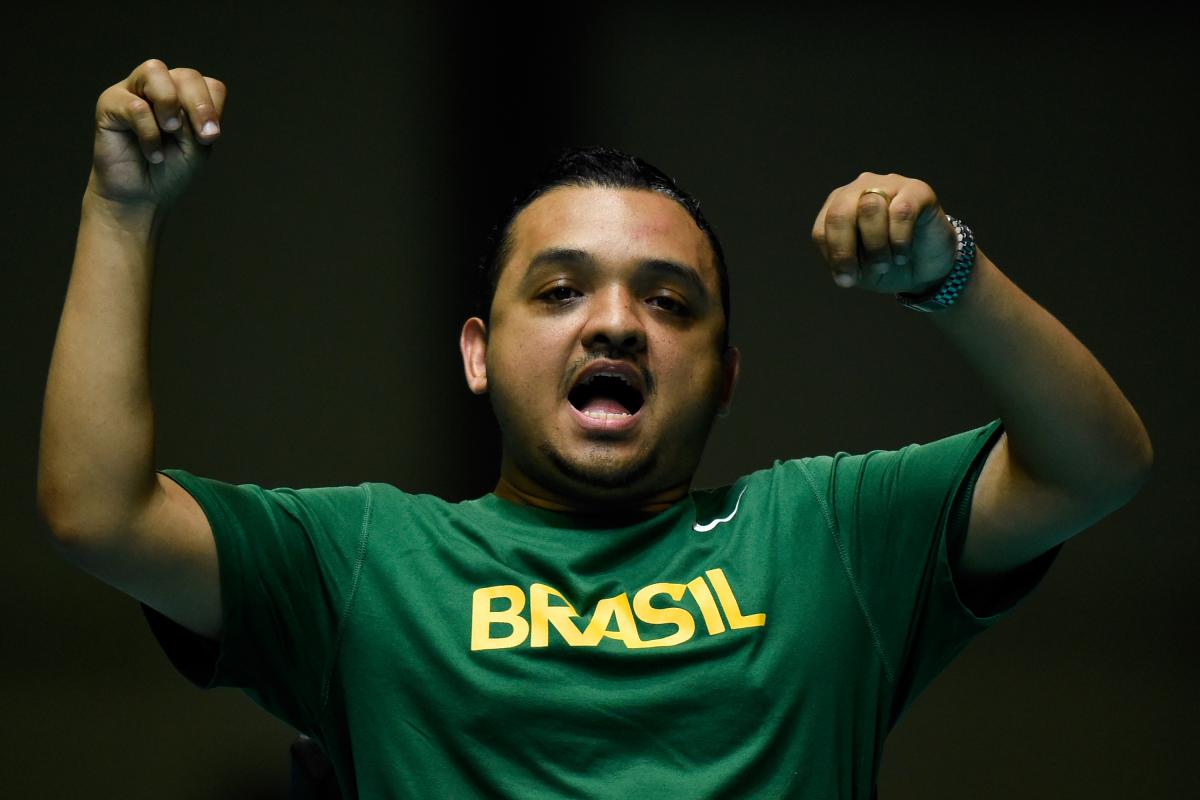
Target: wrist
pixel 137 219
pixel 922 289
pixel 940 295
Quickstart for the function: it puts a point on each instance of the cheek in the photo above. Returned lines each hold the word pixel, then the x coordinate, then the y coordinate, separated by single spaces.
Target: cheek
pixel 695 381
pixel 528 364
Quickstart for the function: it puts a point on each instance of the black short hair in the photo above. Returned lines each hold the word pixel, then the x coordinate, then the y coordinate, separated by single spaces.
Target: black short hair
pixel 600 167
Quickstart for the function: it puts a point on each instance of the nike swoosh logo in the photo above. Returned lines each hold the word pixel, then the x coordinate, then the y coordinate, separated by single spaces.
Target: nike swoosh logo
pixel 708 526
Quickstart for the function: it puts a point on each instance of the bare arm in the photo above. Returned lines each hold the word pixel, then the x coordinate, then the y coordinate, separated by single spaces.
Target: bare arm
pixel 107 509
pixel 1074 448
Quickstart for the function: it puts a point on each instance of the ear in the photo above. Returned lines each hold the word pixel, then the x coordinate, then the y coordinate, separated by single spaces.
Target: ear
pixel 473 345
pixel 731 365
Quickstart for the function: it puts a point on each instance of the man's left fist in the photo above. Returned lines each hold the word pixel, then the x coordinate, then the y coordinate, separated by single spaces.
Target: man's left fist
pixel 885 233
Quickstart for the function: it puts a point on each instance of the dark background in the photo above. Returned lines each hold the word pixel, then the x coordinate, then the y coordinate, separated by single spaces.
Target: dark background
pixel 311 286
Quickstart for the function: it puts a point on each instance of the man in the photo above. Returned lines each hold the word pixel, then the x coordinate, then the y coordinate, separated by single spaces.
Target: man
pixel 595 627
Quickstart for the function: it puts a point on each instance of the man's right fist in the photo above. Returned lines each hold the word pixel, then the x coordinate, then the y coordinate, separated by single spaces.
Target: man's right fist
pixel 153 130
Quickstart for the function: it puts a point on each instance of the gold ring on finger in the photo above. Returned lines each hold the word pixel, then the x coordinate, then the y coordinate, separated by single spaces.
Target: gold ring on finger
pixel 876 190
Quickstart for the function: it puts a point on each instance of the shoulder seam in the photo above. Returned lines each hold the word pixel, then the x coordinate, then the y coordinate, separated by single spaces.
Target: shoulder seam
pixel 831 524
pixel 360 558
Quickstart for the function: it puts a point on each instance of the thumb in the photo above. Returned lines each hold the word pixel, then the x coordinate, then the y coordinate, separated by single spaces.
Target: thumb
pixel 934 244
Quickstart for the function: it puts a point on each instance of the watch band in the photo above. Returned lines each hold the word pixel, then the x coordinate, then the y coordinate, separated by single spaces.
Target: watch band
pixel 942 296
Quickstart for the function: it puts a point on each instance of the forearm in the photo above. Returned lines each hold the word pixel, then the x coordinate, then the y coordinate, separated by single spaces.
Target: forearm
pixel 1067 422
pixel 97 440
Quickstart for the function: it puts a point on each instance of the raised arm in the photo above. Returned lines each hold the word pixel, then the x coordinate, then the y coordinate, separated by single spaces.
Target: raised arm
pixel 1074 448
pixel 107 509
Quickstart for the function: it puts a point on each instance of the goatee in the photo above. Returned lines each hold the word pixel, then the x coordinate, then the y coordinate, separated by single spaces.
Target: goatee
pixel 600 475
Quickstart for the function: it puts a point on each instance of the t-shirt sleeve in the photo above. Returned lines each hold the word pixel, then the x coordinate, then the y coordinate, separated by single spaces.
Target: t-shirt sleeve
pixel 289 561
pixel 900 514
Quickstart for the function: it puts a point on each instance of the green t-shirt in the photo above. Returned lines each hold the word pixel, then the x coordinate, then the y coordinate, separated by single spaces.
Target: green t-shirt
pixel 756 640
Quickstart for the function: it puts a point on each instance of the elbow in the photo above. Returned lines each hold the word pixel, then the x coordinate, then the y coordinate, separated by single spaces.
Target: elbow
pixel 1147 458
pixel 60 526
pixel 70 526
pixel 1121 475
pixel 1145 465
pixel 1143 477
pixel 1115 481
pixel 1138 476
pixel 51 510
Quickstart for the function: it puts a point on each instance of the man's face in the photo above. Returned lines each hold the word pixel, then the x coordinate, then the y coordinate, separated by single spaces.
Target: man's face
pixel 603 361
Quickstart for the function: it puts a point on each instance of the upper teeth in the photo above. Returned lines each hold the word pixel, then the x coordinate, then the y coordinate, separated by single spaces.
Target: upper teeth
pixel 619 377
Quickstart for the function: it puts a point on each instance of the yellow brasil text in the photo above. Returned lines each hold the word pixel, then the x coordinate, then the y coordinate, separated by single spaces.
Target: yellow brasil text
pixel 610 610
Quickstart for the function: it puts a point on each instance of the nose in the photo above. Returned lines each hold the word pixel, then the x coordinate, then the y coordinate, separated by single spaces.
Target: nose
pixel 613 323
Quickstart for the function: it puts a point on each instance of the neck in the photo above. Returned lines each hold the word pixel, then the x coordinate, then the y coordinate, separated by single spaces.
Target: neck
pixel 527 494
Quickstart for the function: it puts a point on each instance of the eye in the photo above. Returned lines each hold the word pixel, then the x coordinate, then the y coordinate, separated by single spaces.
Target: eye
pixel 669 303
pixel 559 294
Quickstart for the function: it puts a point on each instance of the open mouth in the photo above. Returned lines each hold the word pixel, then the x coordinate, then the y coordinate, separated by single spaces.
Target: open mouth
pixel 606 394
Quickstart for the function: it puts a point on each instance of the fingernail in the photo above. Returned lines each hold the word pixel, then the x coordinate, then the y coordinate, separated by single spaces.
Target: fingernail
pixel 881 267
pixel 210 129
pixel 901 259
pixel 156 157
pixel 171 124
pixel 844 279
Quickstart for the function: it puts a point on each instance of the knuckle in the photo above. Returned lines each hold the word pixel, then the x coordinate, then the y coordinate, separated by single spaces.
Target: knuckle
pixel 165 95
pixel 903 211
pixel 839 218
pixel 871 205
pixel 137 107
pixel 107 96
pixel 184 72
pixel 153 65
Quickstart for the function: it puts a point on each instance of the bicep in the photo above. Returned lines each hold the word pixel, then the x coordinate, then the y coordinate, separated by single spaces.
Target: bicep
pixel 1015 518
pixel 166 558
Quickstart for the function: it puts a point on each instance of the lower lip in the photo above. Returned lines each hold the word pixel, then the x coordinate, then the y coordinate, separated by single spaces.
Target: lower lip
pixel 611 424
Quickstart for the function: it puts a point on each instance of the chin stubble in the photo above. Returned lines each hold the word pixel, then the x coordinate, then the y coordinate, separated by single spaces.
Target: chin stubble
pixel 600 476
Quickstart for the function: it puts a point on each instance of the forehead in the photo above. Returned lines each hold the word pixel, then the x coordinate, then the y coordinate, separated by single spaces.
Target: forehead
pixel 613 225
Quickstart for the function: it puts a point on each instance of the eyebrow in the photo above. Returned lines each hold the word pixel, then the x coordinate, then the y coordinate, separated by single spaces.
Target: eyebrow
pixel 582 259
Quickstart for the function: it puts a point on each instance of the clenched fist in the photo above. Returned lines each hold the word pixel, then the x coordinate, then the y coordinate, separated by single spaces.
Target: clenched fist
pixel 153 130
pixel 885 233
